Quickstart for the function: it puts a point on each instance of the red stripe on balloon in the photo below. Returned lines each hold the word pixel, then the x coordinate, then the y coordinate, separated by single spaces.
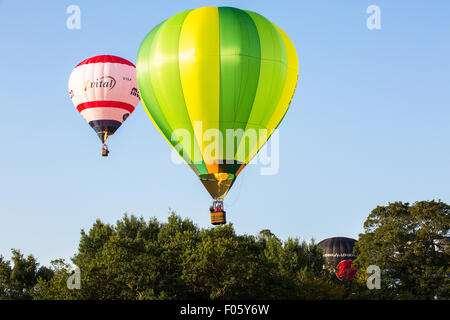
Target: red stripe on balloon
pixel 106 59
pixel 105 104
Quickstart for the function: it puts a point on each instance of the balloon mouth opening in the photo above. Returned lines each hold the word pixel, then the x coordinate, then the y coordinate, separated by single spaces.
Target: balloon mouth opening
pixel 217 184
pixel 103 132
pixel 219 177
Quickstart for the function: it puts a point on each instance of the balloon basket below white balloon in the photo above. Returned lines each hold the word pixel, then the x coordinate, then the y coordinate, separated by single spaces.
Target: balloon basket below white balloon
pixel 105 151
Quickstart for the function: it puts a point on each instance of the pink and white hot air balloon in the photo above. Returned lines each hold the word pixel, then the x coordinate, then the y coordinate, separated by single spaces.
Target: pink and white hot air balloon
pixel 104 90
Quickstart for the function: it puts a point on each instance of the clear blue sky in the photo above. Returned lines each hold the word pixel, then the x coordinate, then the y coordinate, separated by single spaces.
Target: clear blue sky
pixel 369 123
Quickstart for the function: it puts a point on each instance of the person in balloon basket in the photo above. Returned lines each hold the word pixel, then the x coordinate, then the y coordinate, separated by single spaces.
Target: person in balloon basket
pixel 216 207
pixel 219 208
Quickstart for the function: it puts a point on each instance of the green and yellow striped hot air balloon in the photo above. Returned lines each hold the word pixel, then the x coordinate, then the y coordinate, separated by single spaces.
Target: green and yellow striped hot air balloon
pixel 216 82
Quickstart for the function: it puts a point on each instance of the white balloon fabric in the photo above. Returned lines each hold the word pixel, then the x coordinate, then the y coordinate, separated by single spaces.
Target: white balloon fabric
pixel 104 90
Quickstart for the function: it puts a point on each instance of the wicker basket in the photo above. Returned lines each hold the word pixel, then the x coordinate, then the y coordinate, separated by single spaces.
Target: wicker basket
pixel 218 218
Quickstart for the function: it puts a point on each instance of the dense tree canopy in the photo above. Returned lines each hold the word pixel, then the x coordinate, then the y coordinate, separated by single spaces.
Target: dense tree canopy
pixel 135 259
pixel 410 245
pixel 19 281
pixel 138 259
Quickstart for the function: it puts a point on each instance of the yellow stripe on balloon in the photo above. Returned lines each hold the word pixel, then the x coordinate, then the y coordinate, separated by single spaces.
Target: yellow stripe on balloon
pixel 199 63
pixel 290 83
pixel 286 94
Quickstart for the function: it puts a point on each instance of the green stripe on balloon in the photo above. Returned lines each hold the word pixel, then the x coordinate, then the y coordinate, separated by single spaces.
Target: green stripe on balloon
pixel 167 108
pixel 271 81
pixel 239 72
pixel 171 102
pixel 144 61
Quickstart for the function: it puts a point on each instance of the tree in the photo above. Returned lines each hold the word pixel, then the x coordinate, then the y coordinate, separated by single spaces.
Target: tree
pixel 5 276
pixel 222 265
pixel 55 288
pixel 135 259
pixel 18 281
pixel 410 245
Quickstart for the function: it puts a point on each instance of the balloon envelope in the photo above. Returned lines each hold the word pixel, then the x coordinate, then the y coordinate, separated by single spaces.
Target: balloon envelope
pixel 216 82
pixel 345 270
pixel 337 249
pixel 104 90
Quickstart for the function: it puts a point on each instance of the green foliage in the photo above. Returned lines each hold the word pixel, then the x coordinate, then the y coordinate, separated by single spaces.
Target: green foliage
pixel 135 259
pixel 400 238
pixel 5 276
pixel 56 287
pixel 138 259
pixel 18 281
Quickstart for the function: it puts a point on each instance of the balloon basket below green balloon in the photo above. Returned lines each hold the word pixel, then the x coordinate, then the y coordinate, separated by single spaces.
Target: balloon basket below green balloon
pixel 218 218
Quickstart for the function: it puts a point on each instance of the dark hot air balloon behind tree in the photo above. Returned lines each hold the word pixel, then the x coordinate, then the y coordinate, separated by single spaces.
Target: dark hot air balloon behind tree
pixel 337 249
pixel 338 252
pixel 221 69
